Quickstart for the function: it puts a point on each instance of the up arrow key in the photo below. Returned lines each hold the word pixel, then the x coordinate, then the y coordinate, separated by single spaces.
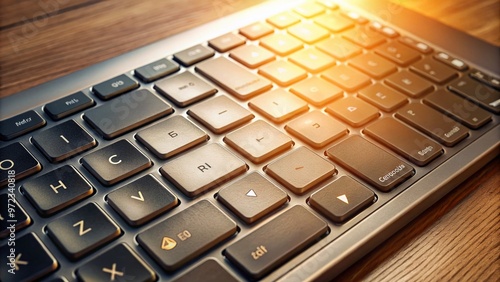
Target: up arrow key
pixel 140 198
pixel 251 193
pixel 343 198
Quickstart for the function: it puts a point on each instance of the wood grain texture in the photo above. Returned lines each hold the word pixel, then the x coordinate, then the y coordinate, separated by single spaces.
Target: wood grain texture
pixel 456 239
pixel 61 43
pixel 20 12
pixel 464 15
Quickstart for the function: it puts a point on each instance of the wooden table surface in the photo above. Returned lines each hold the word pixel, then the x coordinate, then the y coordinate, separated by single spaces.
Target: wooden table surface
pixel 456 239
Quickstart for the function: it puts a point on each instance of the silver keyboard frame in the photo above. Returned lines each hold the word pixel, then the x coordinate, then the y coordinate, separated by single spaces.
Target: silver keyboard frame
pixel 346 243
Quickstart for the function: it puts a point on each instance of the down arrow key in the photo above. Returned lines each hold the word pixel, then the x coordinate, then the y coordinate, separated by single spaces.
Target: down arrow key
pixel 354 197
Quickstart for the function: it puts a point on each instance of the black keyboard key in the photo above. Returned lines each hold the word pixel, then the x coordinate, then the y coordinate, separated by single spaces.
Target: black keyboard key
pixel 316 128
pixel 398 53
pixel 486 79
pixel 119 263
pixel 316 91
pixel 357 18
pixel 339 48
pixel 30 261
pixel 193 55
pixel 308 32
pixel 409 143
pixel 433 123
pixel 252 197
pixel 12 216
pixel 57 190
pixel 312 60
pixel 208 271
pixel 116 162
pixel 300 170
pixel 114 87
pixel 252 56
pixel 203 169
pixel 259 141
pixel 458 108
pixel 184 89
pixel 235 79
pixel 57 279
pixel 171 137
pixel 384 30
pixel 220 114
pixel 282 73
pixel 342 199
pixel 382 97
pixel 352 110
pixel 186 235
pixel 346 77
pixel 68 105
pixel 142 200
pixel 256 30
pixel 126 113
pixel 309 10
pixel 328 4
pixel 21 124
pixel 16 163
pixel 373 65
pixel 333 22
pixel 370 162
pixel 364 37
pixel 82 231
pixel 451 61
pixel 415 44
pixel 283 20
pixel 63 141
pixel 278 105
pixel 226 42
pixel 409 83
pixel 156 70
pixel 433 70
pixel 276 242
pixel 281 44
pixel 478 93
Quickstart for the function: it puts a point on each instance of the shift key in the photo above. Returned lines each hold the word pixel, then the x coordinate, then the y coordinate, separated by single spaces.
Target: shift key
pixel 235 79
pixel 127 112
pixel 370 162
pixel 186 235
pixel 276 242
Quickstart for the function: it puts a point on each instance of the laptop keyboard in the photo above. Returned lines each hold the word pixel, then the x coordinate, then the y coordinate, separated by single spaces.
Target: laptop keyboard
pixel 228 159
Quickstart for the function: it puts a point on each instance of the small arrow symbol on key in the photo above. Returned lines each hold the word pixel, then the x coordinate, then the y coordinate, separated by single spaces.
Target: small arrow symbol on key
pixel 140 198
pixel 343 198
pixel 251 193
pixel 18 262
